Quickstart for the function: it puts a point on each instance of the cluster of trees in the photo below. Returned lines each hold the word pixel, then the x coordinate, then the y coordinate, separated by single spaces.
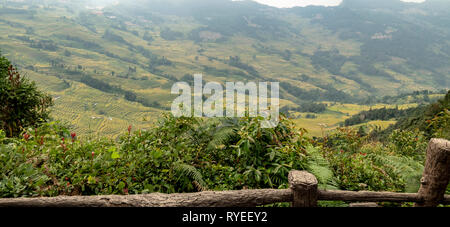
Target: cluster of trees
pixel 147 37
pixel 112 55
pixel 73 70
pixel 21 37
pixel 169 34
pixel 153 104
pixel 100 84
pixel 422 96
pixel 330 60
pixel 7 10
pixel 383 114
pixel 286 54
pixel 85 44
pixel 132 69
pixel 156 61
pixel 130 96
pixel 235 61
pixel 168 76
pixel 106 87
pixel 307 107
pixel 312 107
pixel 39 44
pixel 109 35
pixel 223 72
pixel 328 94
pixel 311 116
pixel 67 53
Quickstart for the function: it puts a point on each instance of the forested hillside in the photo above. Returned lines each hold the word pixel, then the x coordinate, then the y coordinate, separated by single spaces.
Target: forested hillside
pixel 127 55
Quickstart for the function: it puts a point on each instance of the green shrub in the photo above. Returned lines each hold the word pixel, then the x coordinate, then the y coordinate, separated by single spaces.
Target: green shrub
pixel 22 104
pixel 441 125
pixel 177 155
pixel 408 143
pixel 356 165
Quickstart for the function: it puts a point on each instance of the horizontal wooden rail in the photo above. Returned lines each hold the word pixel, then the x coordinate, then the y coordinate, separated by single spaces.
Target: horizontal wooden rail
pixel 243 198
pixel 366 196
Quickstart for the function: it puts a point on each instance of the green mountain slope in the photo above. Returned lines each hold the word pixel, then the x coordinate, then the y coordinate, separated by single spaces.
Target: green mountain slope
pixel 113 66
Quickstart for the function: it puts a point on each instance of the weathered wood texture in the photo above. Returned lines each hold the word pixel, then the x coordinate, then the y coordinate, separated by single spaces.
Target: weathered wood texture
pixel 304 189
pixel 243 198
pixel 363 205
pixel 436 175
pixel 366 196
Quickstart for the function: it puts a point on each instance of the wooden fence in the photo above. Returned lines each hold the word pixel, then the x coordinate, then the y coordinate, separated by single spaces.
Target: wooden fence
pixel 303 192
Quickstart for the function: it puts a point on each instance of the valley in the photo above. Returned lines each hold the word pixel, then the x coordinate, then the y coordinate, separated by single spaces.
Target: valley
pixel 113 66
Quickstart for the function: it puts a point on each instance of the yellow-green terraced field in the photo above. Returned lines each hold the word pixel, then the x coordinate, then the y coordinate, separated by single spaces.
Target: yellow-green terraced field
pixel 64 48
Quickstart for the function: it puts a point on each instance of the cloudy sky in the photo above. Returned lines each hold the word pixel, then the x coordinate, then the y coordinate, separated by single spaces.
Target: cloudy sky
pixel 292 3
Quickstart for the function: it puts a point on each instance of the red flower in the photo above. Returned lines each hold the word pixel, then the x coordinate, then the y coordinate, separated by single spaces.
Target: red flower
pixel 93 154
pixel 63 139
pixel 68 184
pixel 125 191
pixel 41 142
pixel 67 178
pixel 73 135
pixel 26 136
pixel 129 129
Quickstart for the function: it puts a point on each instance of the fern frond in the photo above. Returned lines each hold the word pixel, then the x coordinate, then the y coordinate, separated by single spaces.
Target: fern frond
pixel 320 167
pixel 193 174
pixel 408 168
pixel 223 134
pixel 221 137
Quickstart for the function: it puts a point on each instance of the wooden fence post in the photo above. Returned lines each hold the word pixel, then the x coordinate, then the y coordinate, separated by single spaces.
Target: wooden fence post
pixel 304 189
pixel 436 175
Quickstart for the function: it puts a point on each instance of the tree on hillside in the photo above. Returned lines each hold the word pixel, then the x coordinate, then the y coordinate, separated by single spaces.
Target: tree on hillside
pixel 22 104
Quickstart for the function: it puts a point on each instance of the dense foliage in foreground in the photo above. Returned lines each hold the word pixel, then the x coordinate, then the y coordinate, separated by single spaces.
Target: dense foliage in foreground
pixel 193 154
pixel 179 155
